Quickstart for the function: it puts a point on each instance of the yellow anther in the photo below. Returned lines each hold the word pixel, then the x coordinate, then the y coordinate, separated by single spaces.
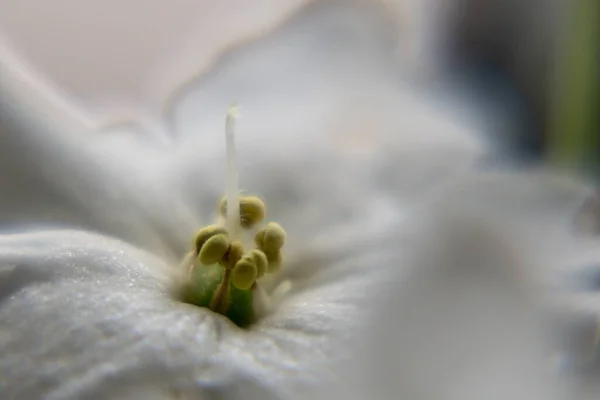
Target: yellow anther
pixel 275 260
pixel 252 210
pixel 261 262
pixel 233 255
pixel 259 237
pixel 244 274
pixel 214 249
pixel 206 233
pixel 271 238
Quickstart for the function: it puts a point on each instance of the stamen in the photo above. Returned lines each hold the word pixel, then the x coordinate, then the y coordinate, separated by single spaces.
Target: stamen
pixel 244 273
pixel 270 239
pixel 214 250
pixel 206 233
pixel 226 282
pixel 252 210
pixel 261 262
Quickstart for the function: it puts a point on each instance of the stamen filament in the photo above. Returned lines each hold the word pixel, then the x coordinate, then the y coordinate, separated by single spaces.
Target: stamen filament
pixel 219 301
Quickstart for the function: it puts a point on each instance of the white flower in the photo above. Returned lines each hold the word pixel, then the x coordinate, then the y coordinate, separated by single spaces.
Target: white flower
pixel 93 314
pixel 94 224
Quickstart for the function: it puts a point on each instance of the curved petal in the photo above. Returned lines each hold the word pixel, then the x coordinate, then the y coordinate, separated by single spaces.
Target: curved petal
pixel 464 322
pixel 84 315
pixel 54 171
pixel 538 206
pixel 113 61
pixel 466 315
pixel 87 316
pixel 327 138
pixel 342 122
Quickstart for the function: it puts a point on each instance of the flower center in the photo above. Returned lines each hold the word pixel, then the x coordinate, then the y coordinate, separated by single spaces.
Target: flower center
pixel 221 274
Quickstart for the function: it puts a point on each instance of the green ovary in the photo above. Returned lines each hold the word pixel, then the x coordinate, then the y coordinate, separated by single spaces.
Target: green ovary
pixel 201 288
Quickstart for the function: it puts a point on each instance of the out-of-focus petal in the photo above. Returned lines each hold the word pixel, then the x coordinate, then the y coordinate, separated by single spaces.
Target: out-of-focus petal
pixel 119 57
pixel 462 320
pixel 312 119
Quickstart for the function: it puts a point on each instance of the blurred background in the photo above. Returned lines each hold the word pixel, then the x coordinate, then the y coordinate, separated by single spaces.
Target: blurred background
pixel 528 67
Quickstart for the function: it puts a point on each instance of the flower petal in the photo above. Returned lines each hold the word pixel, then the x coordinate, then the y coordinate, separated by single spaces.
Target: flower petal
pixel 55 171
pixel 464 316
pixel 343 122
pixel 327 138
pixel 463 323
pixel 82 315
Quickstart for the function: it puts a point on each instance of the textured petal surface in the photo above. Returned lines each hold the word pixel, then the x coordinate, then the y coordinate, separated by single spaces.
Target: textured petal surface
pixel 88 316
pixel 84 316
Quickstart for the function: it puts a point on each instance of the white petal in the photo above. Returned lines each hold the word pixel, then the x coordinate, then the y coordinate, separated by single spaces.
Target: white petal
pixel 114 63
pixel 68 291
pixel 82 315
pixel 328 138
pixel 467 321
pixel 54 171
pixel 313 120
pixel 462 323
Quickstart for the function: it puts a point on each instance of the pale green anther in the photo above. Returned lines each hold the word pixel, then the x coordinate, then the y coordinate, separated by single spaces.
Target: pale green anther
pixel 258 238
pixel 270 239
pixel 274 260
pixel 252 210
pixel 206 233
pixel 214 249
pixel 244 274
pixel 261 262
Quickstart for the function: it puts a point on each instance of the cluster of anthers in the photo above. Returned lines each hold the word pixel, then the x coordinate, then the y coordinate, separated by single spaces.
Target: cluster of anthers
pixel 242 269
pixel 222 275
